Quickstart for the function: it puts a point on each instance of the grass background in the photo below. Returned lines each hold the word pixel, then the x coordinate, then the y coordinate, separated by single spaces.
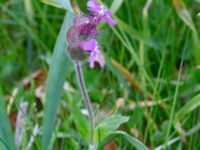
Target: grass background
pixel 151 75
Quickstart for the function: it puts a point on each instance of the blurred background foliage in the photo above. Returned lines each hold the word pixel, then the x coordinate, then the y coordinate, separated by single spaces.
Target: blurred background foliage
pixel 152 71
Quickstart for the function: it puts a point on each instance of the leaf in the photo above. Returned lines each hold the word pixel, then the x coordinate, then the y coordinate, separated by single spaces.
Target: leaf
pixel 133 141
pixel 193 130
pixel 65 4
pixel 56 78
pixel 185 16
pixel 116 5
pixel 6 135
pixel 81 122
pixel 183 13
pixel 189 107
pixel 127 75
pixel 186 109
pixel 108 125
pixel 128 29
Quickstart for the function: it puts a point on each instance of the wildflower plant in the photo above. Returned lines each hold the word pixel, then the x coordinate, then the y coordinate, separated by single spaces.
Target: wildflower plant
pixel 81 37
pixel 82 46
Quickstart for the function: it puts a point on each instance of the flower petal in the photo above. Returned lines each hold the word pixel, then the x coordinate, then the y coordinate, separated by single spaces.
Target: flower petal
pixel 92 59
pixel 107 18
pixel 100 59
pixel 93 6
pixel 96 56
pixel 88 45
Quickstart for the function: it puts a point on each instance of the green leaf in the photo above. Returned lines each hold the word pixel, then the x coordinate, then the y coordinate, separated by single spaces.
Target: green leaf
pixel 6 135
pixel 193 130
pixel 81 122
pixel 133 141
pixel 187 19
pixel 65 4
pixel 56 78
pixel 116 5
pixel 189 107
pixel 108 125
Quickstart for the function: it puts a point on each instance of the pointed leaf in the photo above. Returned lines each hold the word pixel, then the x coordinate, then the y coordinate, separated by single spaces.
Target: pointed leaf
pixel 189 107
pixel 56 78
pixel 65 4
pixel 133 141
pixel 81 122
pixel 183 13
pixel 116 5
pixel 108 125
pixel 6 135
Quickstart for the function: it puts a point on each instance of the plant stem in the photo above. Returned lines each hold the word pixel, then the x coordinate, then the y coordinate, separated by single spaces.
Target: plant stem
pixel 86 99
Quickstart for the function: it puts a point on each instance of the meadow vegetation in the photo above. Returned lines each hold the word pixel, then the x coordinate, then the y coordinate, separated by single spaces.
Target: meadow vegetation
pixel 150 83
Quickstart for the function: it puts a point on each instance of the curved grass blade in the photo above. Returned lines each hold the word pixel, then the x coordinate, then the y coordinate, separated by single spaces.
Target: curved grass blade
pixel 6 135
pixel 116 5
pixel 186 109
pixel 193 130
pixel 133 141
pixel 189 107
pixel 65 4
pixel 187 19
pixel 82 124
pixel 55 82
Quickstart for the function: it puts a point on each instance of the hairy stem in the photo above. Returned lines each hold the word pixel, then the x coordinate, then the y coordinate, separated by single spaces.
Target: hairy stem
pixel 86 100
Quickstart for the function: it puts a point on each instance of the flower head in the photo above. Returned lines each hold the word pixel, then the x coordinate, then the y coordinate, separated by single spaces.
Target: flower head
pixel 81 36
pixel 101 13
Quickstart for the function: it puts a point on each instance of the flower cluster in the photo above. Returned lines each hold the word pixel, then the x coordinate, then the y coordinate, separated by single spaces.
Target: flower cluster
pixel 81 36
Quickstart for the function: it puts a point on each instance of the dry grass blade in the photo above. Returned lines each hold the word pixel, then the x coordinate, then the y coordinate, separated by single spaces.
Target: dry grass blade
pixel 185 16
pixel 183 13
pixel 127 75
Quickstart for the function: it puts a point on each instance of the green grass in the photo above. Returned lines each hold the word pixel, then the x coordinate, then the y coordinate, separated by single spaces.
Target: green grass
pixel 163 114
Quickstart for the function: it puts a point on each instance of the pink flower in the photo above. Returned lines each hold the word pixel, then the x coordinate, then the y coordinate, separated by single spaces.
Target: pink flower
pixel 93 48
pixel 81 36
pixel 101 14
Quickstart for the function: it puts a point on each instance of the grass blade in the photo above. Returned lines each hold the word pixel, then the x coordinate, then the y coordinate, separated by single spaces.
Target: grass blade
pixel 187 19
pixel 6 135
pixel 195 129
pixel 65 4
pixel 56 78
pixel 82 124
pixel 133 141
pixel 190 106
pixel 183 13
pixel 116 5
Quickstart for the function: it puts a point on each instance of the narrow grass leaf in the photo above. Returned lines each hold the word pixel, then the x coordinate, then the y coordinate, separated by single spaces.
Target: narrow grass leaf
pixel 6 135
pixel 127 75
pixel 185 16
pixel 189 107
pixel 183 13
pixel 193 130
pixel 116 5
pixel 133 141
pixel 65 4
pixel 81 122
pixel 29 11
pixel 128 29
pixel 55 82
pixel 105 127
